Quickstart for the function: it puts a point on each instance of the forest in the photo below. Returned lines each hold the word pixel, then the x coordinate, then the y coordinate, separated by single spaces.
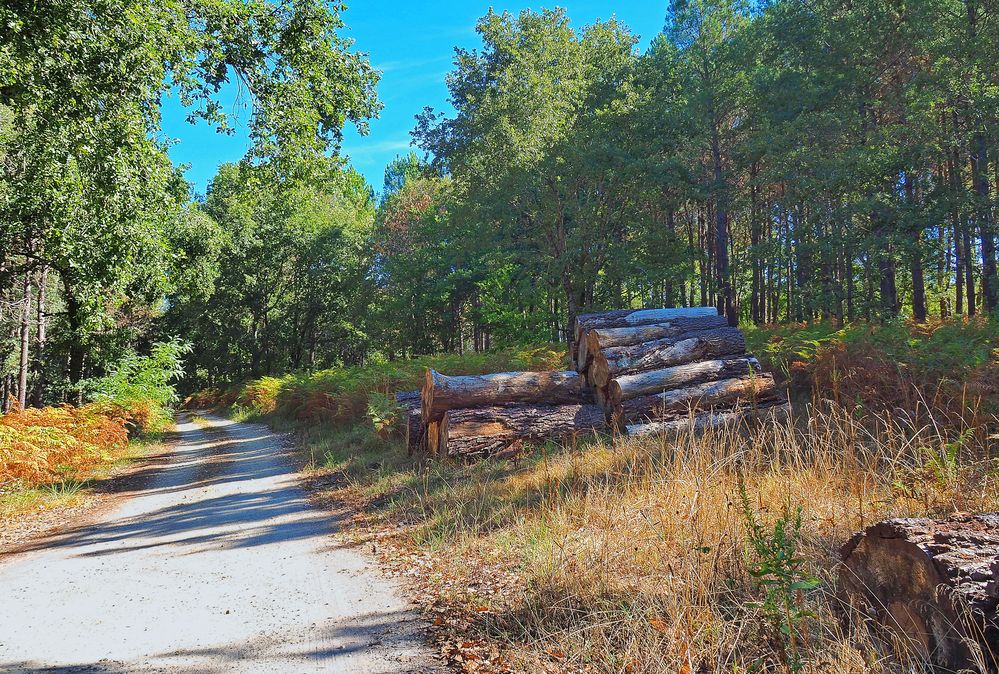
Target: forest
pixel 824 173
pixel 784 162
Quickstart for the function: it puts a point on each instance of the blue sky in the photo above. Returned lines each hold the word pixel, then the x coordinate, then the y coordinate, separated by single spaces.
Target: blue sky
pixel 412 43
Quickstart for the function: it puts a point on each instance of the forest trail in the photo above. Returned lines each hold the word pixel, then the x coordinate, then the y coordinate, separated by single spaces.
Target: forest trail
pixel 217 563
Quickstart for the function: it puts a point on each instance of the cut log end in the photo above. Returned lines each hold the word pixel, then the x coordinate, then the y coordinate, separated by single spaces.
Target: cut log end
pixel 929 586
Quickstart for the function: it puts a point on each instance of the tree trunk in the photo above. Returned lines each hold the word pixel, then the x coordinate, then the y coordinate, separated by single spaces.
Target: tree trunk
pixel 918 578
pixel 774 412
pixel 25 342
pixel 679 403
pixel 651 382
pixel 979 176
pixel 726 299
pixel 916 257
pixel 41 337
pixel 74 316
pixel 409 403
pixel 661 353
pixel 486 430
pixel 602 338
pixel 442 393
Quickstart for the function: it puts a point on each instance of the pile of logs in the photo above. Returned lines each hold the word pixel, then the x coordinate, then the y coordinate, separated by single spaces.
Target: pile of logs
pixel 478 415
pixel 654 370
pixel 636 371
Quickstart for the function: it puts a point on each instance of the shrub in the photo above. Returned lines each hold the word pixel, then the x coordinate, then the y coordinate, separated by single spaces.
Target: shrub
pixel 141 387
pixel 341 395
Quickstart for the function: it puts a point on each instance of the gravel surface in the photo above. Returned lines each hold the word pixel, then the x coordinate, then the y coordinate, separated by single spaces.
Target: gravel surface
pixel 217 564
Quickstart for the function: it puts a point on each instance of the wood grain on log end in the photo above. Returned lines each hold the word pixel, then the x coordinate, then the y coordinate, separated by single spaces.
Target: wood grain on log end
pixel 929 586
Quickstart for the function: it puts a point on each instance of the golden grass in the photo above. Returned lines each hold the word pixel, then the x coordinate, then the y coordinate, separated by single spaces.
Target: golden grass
pixel 633 556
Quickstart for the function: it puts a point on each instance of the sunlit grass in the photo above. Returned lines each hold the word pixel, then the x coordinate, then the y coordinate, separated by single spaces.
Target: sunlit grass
pixel 633 555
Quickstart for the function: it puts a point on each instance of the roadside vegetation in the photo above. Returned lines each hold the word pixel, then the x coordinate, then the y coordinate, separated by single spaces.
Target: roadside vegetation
pixel 51 456
pixel 707 551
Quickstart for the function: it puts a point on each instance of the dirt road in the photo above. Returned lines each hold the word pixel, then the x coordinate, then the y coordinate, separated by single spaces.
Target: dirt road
pixel 218 563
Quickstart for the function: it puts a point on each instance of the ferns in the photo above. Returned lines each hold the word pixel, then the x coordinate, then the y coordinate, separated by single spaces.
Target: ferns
pixel 54 443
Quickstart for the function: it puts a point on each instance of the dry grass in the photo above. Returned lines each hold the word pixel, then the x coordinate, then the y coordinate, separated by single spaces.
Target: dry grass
pixel 633 556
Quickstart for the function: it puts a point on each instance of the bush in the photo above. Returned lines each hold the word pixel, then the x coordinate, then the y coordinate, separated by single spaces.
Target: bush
pixel 341 395
pixel 948 367
pixel 141 387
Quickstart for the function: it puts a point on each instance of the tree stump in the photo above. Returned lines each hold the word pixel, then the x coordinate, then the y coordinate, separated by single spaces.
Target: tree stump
pixel 929 585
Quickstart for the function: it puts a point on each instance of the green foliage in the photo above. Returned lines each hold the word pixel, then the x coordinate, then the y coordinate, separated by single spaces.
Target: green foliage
pixel 144 386
pixel 383 411
pixel 87 192
pixel 782 575
pixel 348 394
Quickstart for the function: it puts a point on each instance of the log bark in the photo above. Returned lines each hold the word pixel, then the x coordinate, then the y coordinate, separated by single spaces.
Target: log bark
pixel 623 318
pixel 930 585
pixel 412 424
pixel 651 382
pixel 442 393
pixel 678 403
pixel 598 339
pixel 408 399
pixel 486 430
pixel 777 411
pixel 662 353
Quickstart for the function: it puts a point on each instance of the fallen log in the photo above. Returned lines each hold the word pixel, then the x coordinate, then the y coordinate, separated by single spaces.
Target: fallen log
pixel 630 386
pixel 661 353
pixel 676 403
pixel 778 410
pixel 442 393
pixel 409 403
pixel 485 430
pixel 930 586
pixel 621 318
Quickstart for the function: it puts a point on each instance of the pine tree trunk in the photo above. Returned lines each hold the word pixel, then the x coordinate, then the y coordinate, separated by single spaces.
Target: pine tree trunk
pixel 602 338
pixel 775 412
pixel 442 393
pixel 652 382
pixel 41 337
pixel 679 403
pixel 25 342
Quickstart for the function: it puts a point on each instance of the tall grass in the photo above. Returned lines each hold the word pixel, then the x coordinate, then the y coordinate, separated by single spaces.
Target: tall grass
pixel 636 555
pixel 710 551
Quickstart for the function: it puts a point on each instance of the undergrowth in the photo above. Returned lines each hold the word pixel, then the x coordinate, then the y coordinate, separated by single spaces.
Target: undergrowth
pixel 699 552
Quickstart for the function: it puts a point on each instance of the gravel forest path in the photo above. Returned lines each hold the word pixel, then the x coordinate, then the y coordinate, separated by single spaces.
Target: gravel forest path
pixel 217 562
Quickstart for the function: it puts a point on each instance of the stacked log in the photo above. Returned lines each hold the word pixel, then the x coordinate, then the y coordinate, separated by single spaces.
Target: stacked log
pixel 655 370
pixel 409 403
pixel 477 415
pixel 643 371
pixel 930 586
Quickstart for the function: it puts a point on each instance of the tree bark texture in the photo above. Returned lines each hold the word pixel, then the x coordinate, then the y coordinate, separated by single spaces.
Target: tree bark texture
pixel 930 585
pixel 623 318
pixel 442 393
pixel 775 412
pixel 651 382
pixel 486 430
pixel 601 338
pixel 662 353
pixel 753 390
